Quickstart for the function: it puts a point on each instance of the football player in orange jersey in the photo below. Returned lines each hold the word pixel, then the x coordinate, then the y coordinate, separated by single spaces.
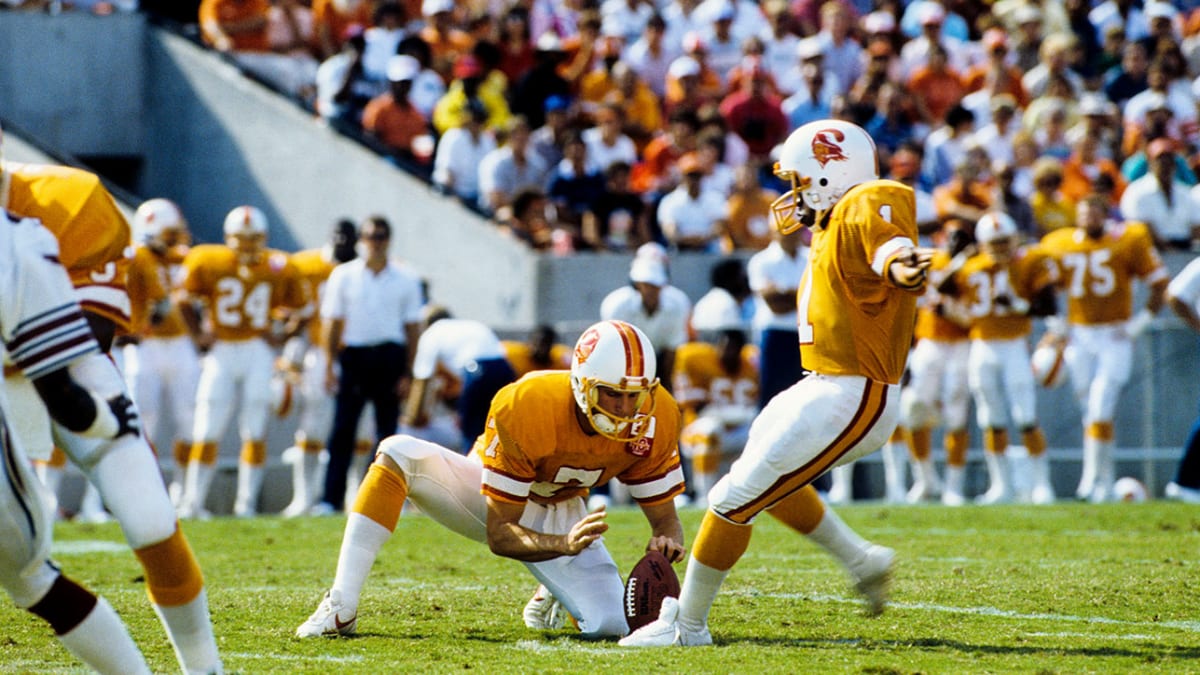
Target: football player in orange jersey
pixel 305 355
pixel 93 238
pixel 937 391
pixel 856 309
pixel 550 437
pixel 161 362
pixel 1003 286
pixel 541 351
pixel 1098 261
pixel 717 389
pixel 241 284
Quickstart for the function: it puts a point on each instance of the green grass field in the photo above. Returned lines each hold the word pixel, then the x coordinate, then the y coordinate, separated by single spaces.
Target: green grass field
pixel 1071 588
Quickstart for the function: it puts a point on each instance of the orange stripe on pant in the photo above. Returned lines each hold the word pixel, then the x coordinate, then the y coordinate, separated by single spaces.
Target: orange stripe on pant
pixel 870 408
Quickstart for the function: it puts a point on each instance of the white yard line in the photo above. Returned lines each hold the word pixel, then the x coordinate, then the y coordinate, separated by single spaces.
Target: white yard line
pixel 1189 626
pixel 84 546
pixel 260 656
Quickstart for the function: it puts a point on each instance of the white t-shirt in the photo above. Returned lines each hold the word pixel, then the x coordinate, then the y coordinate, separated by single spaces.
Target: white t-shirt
pixel 681 216
pixel 454 344
pixel 772 267
pixel 375 307
pixel 605 156
pixel 1143 200
pixel 666 328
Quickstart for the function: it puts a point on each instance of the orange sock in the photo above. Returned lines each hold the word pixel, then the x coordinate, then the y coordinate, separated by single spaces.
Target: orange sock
pixel 205 453
pixel 254 453
pixel 802 510
pixel 381 496
pixel 179 450
pixel 957 442
pixel 173 576
pixel 995 440
pixel 1034 440
pixel 720 543
pixel 1101 431
pixel 920 443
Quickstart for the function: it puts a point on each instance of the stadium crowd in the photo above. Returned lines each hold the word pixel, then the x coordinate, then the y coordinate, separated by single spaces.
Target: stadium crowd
pixel 600 126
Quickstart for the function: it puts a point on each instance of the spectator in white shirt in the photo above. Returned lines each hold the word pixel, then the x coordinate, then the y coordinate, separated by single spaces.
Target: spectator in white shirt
pixel 459 154
pixel 1162 201
pixel 653 305
pixel 691 218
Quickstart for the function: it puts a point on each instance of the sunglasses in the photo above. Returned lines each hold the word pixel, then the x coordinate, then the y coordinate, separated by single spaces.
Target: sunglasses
pixel 378 236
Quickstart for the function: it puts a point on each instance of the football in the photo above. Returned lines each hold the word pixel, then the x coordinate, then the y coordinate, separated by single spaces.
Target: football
pixel 1049 370
pixel 1129 489
pixel 651 580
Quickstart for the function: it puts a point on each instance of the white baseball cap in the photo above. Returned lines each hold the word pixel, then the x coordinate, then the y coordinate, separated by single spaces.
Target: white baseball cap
pixel 649 271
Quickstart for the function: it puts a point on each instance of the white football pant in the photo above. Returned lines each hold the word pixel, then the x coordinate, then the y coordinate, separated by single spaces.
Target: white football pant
pixel 445 486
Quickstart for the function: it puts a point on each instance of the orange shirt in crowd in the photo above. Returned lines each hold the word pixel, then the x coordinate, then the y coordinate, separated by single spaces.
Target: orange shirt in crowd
pixel 395 125
pixel 226 15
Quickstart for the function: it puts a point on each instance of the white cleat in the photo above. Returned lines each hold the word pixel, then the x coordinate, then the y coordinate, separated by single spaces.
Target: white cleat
pixel 953 498
pixel 327 620
pixel 665 631
pixel 873 577
pixel 1042 494
pixel 922 492
pixel 997 494
pixel 544 611
pixel 1102 493
pixel 1180 493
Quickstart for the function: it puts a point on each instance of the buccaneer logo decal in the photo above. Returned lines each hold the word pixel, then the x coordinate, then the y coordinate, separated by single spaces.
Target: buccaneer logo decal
pixel 826 146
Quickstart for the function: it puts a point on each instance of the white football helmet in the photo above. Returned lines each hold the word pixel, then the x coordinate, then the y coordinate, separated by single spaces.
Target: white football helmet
pixel 994 226
pixel 156 219
pixel 822 160
pixel 614 355
pixel 245 221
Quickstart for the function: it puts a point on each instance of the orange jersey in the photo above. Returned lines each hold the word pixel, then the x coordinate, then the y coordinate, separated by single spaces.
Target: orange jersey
pixel 520 357
pixel 931 324
pixel 982 280
pixel 534 447
pixel 1098 274
pixel 314 266
pixel 241 298
pixel 852 319
pixel 702 382
pixel 149 284
pixel 93 235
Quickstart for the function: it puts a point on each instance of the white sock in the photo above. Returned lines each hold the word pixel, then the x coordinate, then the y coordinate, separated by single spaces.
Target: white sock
pixel 190 629
pixel 360 545
pixel 102 642
pixel 835 536
pixel 698 592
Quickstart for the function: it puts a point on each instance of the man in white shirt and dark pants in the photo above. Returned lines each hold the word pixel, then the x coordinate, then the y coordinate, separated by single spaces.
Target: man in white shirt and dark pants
pixel 372 308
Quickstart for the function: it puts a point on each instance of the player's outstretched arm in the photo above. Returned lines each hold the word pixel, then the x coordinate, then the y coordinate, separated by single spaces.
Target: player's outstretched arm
pixel 507 537
pixel 666 532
